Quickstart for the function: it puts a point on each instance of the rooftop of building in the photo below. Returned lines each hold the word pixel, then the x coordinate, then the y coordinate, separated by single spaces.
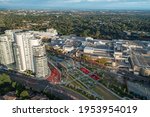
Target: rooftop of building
pixel 140 61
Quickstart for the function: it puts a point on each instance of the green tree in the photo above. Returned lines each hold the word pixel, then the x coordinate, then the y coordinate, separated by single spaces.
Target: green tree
pixel 29 72
pixel 14 84
pixel 102 61
pixel 85 57
pixel 4 79
pixel 97 35
pixel 24 94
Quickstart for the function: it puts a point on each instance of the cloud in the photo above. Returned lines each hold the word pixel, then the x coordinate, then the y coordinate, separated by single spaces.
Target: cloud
pixel 76 3
pixel 69 1
pixel 104 0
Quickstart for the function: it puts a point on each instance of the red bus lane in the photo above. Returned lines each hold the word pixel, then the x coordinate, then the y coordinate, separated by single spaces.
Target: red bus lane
pixel 55 76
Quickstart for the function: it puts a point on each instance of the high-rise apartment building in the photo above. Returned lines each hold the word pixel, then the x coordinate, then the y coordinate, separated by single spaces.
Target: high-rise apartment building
pixel 10 34
pixel 25 47
pixel 40 61
pixel 22 51
pixel 6 51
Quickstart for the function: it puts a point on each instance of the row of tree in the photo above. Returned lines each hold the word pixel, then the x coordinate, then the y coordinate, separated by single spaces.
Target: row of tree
pixel 7 85
pixel 105 26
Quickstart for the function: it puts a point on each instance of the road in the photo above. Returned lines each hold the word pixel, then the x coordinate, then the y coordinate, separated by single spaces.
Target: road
pixel 133 77
pixel 43 85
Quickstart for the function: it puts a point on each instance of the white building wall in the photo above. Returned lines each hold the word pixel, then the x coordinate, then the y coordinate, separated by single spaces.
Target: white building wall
pixel 21 45
pixel 89 50
pixel 25 42
pixel 31 54
pixel 6 52
pixel 40 61
pixel 21 50
pixel 41 67
pixel 33 42
pixel 10 35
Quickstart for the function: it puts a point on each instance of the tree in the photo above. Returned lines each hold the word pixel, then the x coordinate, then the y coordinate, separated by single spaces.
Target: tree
pixel 4 79
pixel 14 84
pixel 85 57
pixel 30 72
pixel 24 94
pixel 86 33
pixel 92 24
pixel 5 84
pixel 102 61
pixel 97 35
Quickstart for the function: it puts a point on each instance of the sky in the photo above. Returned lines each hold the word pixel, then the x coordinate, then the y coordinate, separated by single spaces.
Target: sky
pixel 76 4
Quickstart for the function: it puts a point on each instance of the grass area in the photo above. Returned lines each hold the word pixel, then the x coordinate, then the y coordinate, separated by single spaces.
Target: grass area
pixel 90 67
pixel 76 83
pixel 104 93
pixel 76 92
pixel 80 82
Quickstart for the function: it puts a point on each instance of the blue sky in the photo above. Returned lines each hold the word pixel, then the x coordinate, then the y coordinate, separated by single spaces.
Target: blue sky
pixel 76 4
